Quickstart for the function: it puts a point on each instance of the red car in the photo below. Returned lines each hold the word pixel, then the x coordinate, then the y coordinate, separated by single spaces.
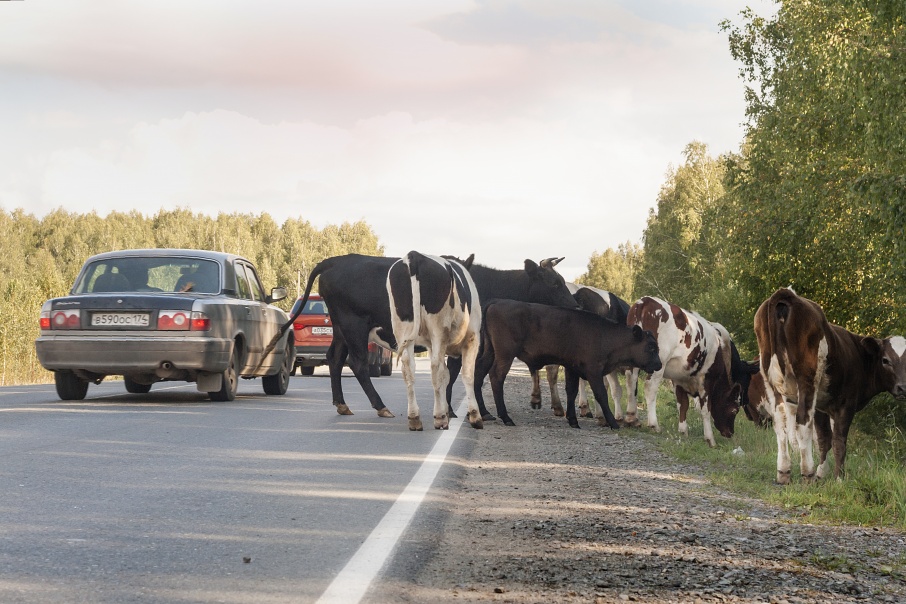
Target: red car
pixel 314 333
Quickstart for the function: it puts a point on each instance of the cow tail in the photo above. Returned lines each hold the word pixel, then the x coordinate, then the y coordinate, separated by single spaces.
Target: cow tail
pixel 283 328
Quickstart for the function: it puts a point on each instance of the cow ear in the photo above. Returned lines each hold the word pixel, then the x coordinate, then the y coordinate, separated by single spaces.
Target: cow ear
pixel 469 261
pixel 735 394
pixel 530 267
pixel 872 345
pixel 753 367
pixel 638 333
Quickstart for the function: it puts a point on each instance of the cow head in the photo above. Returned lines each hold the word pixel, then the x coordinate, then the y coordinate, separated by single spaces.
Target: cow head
pixel 891 354
pixel 644 352
pixel 724 407
pixel 547 286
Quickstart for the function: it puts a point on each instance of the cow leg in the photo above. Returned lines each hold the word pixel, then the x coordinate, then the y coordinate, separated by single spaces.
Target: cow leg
pixel 600 391
pixel 571 383
pixel 705 408
pixel 535 401
pixel 439 379
pixel 470 356
pixel 616 393
pixel 553 372
pixel 498 373
pixel 682 409
pixel 651 386
pixel 482 367
pixel 824 435
pixel 355 354
pixel 407 363
pixel 841 426
pixel 784 428
pixel 582 399
pixel 454 364
pixel 632 400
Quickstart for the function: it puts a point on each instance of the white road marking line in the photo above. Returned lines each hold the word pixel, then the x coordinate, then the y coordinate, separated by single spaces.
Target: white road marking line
pixel 350 585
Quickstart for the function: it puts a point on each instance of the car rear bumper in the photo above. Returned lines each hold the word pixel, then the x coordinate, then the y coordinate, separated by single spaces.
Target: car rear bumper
pixel 121 355
pixel 311 355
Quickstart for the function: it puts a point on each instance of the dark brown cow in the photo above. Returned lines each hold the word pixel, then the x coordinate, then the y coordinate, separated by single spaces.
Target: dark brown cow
pixel 586 345
pixel 817 372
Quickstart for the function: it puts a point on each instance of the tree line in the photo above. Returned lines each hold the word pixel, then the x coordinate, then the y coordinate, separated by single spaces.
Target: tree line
pixel 40 258
pixel 814 199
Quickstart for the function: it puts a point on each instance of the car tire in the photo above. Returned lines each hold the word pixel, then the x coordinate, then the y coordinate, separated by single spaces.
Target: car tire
pixel 306 370
pixel 278 383
pixel 230 383
pixel 70 387
pixel 374 369
pixel 387 368
pixel 134 387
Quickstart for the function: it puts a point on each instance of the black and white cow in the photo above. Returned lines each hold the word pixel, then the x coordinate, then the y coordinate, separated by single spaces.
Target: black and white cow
pixel 354 287
pixel 586 345
pixel 433 303
pixel 538 283
pixel 605 304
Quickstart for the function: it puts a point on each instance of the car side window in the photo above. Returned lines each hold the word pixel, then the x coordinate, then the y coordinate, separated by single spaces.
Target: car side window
pixel 254 284
pixel 243 282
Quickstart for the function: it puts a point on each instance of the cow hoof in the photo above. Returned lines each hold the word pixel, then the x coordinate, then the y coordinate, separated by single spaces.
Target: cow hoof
pixel 342 409
pixel 602 422
pixel 558 412
pixel 634 423
pixel 475 420
pixel 415 424
pixel 711 443
pixel 487 417
pixel 536 405
pixel 384 412
pixel 783 478
pixel 614 426
pixel 508 422
pixel 588 414
pixel 441 423
pixel 451 415
pixel 575 424
pixel 808 478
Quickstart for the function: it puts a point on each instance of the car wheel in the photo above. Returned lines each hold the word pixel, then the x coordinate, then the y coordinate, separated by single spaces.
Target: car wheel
pixel 70 387
pixel 387 368
pixel 134 387
pixel 279 382
pixel 230 382
pixel 307 370
pixel 374 369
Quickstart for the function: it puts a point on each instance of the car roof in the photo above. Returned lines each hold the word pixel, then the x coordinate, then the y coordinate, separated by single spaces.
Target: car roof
pixel 167 252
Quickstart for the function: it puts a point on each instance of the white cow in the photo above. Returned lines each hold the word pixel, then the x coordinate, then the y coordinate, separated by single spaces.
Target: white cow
pixel 434 303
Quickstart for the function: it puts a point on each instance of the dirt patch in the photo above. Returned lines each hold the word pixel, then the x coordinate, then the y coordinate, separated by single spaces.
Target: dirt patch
pixel 549 514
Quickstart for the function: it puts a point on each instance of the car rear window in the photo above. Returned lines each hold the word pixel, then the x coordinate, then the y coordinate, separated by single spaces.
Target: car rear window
pixel 150 274
pixel 312 307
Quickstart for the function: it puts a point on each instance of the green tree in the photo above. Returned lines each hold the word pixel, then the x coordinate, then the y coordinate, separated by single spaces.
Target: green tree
pixel 676 262
pixel 614 270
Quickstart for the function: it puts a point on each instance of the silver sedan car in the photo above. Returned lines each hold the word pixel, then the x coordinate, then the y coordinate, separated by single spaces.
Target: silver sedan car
pixel 166 314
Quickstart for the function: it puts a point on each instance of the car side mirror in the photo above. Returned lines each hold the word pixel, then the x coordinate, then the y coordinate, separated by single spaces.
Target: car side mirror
pixel 277 294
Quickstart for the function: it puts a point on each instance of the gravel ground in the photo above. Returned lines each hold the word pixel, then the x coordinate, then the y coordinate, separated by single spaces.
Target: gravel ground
pixel 546 514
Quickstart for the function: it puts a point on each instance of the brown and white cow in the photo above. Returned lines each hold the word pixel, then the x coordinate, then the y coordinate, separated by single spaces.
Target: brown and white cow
pixel 434 303
pixel 818 374
pixel 697 356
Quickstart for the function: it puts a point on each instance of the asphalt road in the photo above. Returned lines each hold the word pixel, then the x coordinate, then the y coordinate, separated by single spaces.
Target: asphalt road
pixel 168 497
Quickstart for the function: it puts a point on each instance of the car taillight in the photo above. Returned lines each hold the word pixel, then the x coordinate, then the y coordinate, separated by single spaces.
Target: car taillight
pixel 200 322
pixel 298 326
pixel 61 319
pixel 182 320
pixel 173 320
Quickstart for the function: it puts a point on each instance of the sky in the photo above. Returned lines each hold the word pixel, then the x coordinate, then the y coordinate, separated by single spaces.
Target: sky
pixel 510 129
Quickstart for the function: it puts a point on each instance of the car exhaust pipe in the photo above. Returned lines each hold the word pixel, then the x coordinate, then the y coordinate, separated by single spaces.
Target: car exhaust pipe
pixel 166 370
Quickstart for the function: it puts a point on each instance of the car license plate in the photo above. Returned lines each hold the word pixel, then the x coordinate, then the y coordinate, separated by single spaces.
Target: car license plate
pixel 322 331
pixel 120 319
